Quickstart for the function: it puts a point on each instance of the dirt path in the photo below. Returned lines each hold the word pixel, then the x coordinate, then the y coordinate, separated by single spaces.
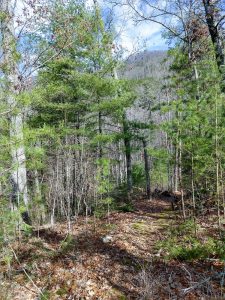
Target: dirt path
pixel 112 258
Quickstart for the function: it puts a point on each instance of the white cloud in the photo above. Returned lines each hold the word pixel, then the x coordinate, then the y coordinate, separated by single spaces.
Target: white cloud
pixel 134 35
pixel 131 36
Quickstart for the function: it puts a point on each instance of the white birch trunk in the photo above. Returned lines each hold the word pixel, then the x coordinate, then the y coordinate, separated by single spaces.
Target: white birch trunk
pixel 11 74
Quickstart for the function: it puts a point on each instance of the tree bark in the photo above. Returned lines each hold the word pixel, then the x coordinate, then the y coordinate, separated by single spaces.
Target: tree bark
pixel 147 170
pixel 100 133
pixel 10 70
pixel 210 11
pixel 127 144
pixel 181 179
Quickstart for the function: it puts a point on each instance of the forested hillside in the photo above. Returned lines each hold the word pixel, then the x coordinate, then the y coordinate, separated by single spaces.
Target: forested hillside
pixel 145 64
pixel 111 164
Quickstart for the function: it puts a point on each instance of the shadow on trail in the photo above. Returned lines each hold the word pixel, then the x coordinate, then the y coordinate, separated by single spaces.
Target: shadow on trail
pixel 87 245
pixel 50 236
pixel 125 271
pixel 171 278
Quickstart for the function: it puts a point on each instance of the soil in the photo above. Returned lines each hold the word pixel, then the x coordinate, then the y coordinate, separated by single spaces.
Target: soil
pixel 109 258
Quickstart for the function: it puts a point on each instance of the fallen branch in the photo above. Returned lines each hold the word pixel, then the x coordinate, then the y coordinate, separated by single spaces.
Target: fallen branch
pixel 28 276
pixel 193 287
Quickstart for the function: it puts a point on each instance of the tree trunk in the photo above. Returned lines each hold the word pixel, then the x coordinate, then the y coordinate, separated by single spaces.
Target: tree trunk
pixel 181 180
pixel 100 133
pixel 127 144
pixel 210 15
pixel 147 170
pixel 10 69
pixel 176 168
pixel 217 154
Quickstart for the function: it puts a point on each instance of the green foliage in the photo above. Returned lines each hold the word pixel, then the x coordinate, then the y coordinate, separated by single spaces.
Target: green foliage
pixel 104 186
pixel 138 175
pixel 119 193
pixel 160 154
pixel 125 207
pixel 103 176
pixel 103 206
pixel 68 244
pixel 27 229
pixel 196 121
pixel 3 16
pixel 110 227
pixel 159 169
pixel 36 156
pixel 62 292
pixel 8 222
pixel 141 227
pixel 45 295
pixel 181 243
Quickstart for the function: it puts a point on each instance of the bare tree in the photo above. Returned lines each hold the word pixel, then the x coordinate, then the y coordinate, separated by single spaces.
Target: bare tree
pixel 214 19
pixel 176 16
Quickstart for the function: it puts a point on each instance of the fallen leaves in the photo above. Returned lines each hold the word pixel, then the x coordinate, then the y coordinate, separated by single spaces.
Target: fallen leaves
pixel 106 261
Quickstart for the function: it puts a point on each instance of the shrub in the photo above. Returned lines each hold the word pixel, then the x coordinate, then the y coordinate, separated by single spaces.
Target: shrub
pixel 104 206
pixel 138 175
pixel 126 207
pixel 182 244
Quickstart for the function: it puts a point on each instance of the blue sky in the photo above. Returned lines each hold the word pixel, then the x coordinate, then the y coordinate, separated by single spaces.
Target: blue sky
pixel 131 36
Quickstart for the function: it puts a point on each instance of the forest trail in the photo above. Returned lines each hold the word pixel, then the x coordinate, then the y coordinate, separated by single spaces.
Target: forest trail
pixel 114 259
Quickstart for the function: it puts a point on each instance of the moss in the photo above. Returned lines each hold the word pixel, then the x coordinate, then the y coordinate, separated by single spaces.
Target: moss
pixel 116 294
pixel 62 291
pixel 109 227
pixel 141 227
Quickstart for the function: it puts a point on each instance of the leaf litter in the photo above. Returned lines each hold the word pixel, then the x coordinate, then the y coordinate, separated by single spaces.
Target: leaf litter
pixel 81 265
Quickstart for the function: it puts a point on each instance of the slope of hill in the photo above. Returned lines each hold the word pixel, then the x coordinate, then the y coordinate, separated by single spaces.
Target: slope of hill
pixel 145 64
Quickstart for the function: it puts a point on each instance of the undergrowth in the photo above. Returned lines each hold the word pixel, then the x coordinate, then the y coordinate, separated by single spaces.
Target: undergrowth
pixel 182 243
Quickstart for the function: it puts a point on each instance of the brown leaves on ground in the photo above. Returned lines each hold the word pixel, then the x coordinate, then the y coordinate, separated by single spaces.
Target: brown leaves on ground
pixel 84 265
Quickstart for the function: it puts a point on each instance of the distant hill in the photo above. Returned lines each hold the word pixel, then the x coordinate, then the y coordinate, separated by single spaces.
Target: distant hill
pixel 145 64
